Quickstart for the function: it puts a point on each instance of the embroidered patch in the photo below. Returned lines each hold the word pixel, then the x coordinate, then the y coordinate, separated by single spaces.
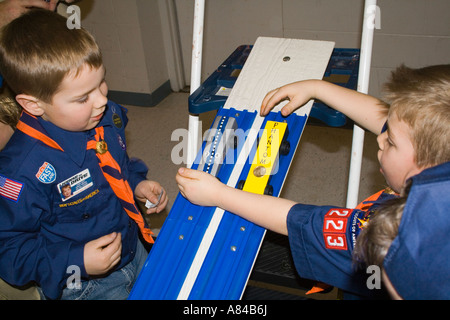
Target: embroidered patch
pixel 117 121
pixel 335 228
pixel 46 173
pixel 121 142
pixel 76 202
pixel 10 189
pixel 359 221
pixel 75 185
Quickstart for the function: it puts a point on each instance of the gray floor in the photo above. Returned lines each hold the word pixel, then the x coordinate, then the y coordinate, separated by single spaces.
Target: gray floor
pixel 318 174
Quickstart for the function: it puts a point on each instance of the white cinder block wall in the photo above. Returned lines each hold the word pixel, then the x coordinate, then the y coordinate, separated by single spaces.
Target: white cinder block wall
pixel 130 32
pixel 414 32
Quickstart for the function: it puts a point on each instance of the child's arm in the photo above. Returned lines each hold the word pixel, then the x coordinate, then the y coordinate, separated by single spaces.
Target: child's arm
pixel 367 111
pixel 204 189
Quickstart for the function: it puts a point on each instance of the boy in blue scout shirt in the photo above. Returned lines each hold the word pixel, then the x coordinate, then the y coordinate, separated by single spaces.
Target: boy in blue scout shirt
pixel 410 247
pixel 413 134
pixel 84 245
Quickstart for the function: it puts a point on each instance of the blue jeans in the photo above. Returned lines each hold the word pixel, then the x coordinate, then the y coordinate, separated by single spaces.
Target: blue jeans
pixel 116 286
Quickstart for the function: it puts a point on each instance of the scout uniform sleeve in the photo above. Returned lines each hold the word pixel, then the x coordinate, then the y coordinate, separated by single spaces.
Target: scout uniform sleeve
pixel 138 172
pixel 26 255
pixel 31 249
pixel 321 240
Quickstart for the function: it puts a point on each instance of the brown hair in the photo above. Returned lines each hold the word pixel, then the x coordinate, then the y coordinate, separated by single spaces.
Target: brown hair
pixel 421 98
pixel 37 50
pixel 374 241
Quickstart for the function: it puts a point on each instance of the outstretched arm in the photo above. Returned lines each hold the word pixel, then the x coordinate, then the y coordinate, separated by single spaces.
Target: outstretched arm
pixel 367 111
pixel 204 189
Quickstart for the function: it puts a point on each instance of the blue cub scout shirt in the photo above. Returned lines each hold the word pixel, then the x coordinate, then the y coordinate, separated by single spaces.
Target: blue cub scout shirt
pixel 54 202
pixel 322 239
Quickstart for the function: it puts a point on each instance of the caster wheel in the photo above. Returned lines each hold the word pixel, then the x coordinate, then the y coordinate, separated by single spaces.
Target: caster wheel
pixel 268 190
pixel 285 147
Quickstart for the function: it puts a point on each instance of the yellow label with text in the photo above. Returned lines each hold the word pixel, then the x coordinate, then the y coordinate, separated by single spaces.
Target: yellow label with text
pixel 266 157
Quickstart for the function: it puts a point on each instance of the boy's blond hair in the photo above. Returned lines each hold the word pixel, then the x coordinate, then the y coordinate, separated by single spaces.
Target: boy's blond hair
pixel 421 98
pixel 10 110
pixel 37 50
pixel 376 238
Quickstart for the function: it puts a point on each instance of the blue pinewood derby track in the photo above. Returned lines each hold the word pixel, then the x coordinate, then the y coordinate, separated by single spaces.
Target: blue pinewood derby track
pixel 228 263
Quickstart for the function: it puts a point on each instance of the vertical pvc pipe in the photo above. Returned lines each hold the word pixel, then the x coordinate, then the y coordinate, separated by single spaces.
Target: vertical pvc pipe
pixel 172 43
pixel 370 11
pixel 196 73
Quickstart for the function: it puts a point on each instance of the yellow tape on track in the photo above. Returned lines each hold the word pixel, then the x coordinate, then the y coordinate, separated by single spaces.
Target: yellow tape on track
pixel 265 157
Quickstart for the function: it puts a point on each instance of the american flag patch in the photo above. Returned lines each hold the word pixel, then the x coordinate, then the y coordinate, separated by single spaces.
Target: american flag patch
pixel 10 189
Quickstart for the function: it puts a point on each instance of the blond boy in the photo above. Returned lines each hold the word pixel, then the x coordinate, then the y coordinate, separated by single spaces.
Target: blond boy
pixel 413 134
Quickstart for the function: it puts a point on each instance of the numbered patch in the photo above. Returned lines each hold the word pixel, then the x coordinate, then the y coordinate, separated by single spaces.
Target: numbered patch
pixel 335 229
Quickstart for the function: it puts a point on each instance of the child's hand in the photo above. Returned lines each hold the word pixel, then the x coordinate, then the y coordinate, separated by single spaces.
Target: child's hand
pixel 102 254
pixel 199 187
pixel 153 192
pixel 298 93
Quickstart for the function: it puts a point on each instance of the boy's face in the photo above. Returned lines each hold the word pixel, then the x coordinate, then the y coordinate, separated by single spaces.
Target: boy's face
pixel 396 154
pixel 80 102
pixel 66 191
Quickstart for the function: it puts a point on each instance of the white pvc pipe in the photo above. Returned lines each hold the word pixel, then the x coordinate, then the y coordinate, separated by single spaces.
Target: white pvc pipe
pixel 172 43
pixel 370 11
pixel 196 74
pixel 197 44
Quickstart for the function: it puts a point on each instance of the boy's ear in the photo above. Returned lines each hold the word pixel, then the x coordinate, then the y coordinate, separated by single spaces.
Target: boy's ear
pixel 30 104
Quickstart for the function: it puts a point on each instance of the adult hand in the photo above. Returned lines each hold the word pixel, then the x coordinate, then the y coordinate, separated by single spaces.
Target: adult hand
pixel 11 9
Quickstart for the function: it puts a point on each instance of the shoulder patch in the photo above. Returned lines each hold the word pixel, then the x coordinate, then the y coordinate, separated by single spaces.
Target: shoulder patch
pixel 335 229
pixel 117 120
pixel 46 173
pixel 10 189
